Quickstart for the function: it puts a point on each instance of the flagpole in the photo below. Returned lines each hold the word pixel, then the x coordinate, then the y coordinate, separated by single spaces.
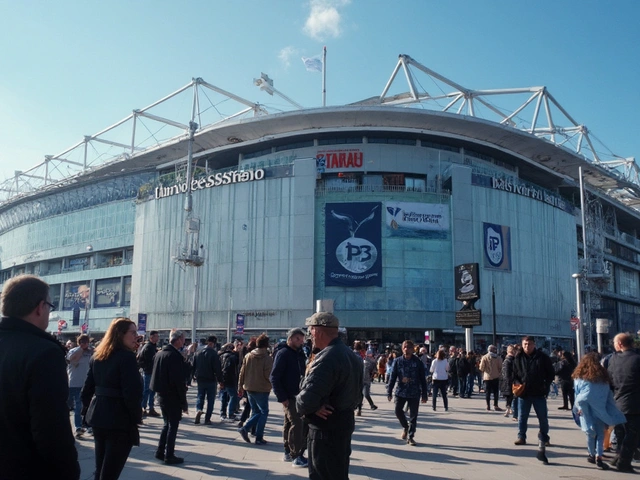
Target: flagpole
pixel 324 76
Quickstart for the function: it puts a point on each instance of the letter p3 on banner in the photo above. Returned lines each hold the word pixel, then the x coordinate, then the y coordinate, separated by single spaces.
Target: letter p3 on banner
pixel 239 324
pixel 353 244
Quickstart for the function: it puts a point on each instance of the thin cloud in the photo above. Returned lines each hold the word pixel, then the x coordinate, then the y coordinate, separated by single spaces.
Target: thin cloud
pixel 325 20
pixel 286 54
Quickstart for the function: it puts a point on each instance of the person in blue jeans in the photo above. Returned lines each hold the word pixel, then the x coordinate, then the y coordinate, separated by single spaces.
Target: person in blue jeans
pixel 145 357
pixel 229 393
pixel 77 368
pixel 533 368
pixel 206 365
pixel 254 379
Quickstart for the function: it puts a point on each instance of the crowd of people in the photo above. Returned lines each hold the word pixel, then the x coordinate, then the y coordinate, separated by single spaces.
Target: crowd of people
pixel 111 387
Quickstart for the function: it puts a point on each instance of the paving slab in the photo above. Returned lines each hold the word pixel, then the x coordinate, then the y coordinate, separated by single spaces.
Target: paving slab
pixel 466 442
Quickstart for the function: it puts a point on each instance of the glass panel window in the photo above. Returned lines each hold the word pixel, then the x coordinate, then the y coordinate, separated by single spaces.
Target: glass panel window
pixel 627 282
pixel 127 291
pixel 107 293
pixel 415 184
pixel 54 293
pixel 77 295
pixel 342 182
pixel 78 263
pixel 393 180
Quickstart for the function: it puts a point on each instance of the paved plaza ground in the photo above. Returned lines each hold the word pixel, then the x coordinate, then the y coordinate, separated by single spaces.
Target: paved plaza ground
pixel 467 442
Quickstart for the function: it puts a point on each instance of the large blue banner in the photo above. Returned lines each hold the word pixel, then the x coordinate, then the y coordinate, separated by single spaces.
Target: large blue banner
pixel 353 244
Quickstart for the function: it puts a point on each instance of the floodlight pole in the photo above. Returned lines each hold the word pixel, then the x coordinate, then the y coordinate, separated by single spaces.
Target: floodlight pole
pixel 324 77
pixel 580 330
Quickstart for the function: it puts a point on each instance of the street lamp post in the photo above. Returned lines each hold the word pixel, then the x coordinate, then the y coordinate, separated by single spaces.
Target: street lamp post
pixel 580 330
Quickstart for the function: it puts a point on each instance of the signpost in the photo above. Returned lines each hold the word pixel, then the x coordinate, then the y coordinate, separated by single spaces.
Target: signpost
pixel 468 292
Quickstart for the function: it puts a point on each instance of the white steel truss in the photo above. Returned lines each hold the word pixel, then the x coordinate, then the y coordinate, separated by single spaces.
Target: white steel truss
pixel 546 121
pixel 141 130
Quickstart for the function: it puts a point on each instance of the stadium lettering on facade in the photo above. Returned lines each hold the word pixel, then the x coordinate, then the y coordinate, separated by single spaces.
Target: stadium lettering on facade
pixel 530 192
pixel 328 159
pixel 214 180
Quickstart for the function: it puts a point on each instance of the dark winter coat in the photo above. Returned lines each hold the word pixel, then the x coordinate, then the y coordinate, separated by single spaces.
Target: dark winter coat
pixel 168 379
pixel 506 376
pixel 535 371
pixel 624 369
pixel 112 394
pixel 229 365
pixel 206 366
pixel 287 373
pixel 563 370
pixel 463 367
pixel 334 379
pixel 145 357
pixel 35 434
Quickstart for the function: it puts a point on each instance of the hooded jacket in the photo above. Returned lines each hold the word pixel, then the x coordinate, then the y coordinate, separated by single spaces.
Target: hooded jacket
pixel 255 371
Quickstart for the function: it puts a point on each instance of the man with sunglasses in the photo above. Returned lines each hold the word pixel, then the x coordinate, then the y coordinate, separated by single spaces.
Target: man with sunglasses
pixel 34 417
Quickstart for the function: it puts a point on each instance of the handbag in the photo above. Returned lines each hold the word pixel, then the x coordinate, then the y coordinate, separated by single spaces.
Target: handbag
pixel 518 389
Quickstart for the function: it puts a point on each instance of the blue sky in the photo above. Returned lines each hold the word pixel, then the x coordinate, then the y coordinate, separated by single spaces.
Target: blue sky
pixel 71 68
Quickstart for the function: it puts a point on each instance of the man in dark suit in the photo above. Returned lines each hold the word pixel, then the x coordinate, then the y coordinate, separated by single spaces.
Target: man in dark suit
pixel 168 381
pixel 35 439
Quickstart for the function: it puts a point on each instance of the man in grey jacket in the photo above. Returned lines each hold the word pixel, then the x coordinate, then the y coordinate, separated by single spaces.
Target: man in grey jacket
pixel 330 392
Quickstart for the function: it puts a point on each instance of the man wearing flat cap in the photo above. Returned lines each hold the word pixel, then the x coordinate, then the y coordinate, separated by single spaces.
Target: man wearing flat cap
pixel 328 397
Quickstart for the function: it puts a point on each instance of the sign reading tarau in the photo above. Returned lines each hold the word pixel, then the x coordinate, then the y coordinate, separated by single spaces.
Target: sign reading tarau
pixel 214 180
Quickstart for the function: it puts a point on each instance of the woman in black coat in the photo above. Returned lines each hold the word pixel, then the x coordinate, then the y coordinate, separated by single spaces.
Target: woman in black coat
pixel 564 368
pixel 111 397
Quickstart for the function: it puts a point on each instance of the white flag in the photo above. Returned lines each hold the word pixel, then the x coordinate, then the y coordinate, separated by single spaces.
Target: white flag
pixel 313 64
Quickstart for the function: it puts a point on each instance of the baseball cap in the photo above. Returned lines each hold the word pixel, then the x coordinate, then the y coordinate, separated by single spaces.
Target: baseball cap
pixel 323 319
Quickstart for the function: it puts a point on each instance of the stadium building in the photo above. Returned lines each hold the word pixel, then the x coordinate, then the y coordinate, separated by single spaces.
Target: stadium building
pixel 389 209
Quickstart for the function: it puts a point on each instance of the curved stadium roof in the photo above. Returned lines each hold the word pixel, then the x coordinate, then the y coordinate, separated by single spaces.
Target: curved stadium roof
pixel 550 153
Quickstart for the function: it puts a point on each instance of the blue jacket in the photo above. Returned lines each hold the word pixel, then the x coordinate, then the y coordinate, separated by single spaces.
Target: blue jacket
pixel 411 380
pixel 595 400
pixel 287 373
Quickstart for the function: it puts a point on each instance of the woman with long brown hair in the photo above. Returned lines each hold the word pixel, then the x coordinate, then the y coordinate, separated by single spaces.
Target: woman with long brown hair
pixel 595 405
pixel 111 397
